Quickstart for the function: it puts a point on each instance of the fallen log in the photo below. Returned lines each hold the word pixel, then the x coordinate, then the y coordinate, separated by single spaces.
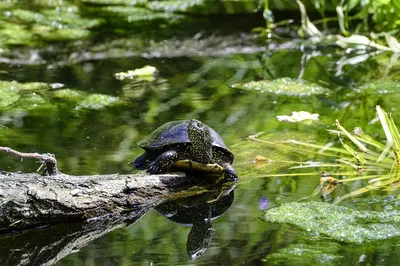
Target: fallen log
pixel 30 200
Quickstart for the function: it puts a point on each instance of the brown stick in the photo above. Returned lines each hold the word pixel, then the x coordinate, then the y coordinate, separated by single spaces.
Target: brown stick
pixel 47 160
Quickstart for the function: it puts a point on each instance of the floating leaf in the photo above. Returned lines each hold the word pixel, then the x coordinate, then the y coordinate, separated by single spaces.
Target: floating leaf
pixel 284 86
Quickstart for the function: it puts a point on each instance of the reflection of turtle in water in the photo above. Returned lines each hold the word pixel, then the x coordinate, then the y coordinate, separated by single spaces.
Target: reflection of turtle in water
pixel 198 212
pixel 182 140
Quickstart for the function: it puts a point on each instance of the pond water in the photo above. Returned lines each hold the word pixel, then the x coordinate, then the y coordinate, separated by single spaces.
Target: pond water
pixel 196 81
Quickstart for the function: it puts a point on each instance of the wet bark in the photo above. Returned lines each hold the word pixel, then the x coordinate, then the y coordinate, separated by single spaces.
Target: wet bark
pixel 31 200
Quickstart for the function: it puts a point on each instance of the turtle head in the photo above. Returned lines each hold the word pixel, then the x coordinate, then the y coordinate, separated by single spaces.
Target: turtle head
pixel 201 141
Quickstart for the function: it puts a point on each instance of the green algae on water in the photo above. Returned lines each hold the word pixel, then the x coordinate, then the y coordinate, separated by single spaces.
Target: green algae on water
pixel 385 87
pixel 284 86
pixel 127 14
pixel 338 222
pixel 303 254
pixel 36 94
pixel 115 2
pixel 86 100
pixel 98 101
pixel 24 94
pixel 206 6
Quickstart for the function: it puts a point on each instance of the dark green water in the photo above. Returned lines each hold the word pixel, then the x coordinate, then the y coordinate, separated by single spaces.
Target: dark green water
pixel 195 82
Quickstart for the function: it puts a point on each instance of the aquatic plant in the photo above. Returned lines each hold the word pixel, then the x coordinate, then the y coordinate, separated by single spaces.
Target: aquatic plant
pixel 360 157
pixel 364 26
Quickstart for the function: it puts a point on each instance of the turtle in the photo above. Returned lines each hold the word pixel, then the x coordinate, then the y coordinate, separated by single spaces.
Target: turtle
pixel 184 140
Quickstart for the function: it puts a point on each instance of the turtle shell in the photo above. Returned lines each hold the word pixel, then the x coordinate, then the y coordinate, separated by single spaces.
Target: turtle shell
pixel 175 133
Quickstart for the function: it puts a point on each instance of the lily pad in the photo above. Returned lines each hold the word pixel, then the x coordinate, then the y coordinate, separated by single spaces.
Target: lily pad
pixel 338 222
pixel 284 86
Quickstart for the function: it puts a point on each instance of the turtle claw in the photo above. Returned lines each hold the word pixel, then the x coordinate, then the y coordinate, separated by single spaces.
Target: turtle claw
pixel 156 168
pixel 162 164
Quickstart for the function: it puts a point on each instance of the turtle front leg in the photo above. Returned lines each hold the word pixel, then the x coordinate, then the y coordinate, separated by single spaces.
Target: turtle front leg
pixel 142 162
pixel 229 174
pixel 163 162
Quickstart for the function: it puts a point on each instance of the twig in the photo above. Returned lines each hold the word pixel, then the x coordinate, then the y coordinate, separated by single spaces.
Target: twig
pixel 47 160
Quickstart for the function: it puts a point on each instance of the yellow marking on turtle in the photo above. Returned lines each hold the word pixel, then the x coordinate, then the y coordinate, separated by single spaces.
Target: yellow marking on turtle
pixel 211 168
